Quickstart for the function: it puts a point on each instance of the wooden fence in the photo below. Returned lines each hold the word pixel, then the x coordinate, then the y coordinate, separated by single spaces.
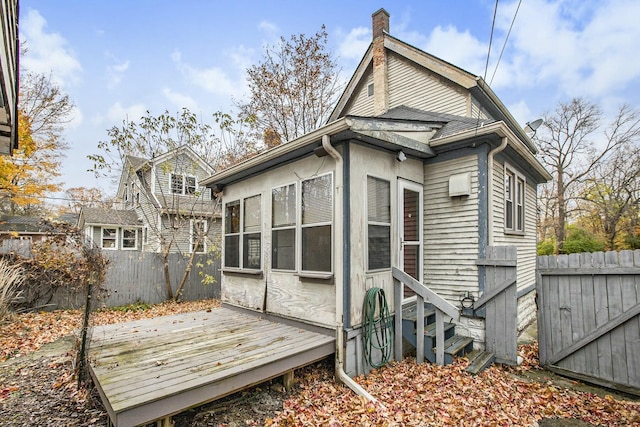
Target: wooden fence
pixel 138 277
pixel 589 317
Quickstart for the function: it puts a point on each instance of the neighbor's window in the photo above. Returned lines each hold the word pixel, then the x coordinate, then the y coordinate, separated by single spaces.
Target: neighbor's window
pixel 378 223
pixel 317 214
pixel 514 188
pixel 252 233
pixel 283 234
pixel 109 238
pixel 198 236
pixel 181 184
pixel 129 238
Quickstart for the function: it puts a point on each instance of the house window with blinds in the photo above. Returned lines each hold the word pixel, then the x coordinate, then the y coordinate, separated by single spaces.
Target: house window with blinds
pixel 283 233
pixel 514 189
pixel 252 234
pixel 378 224
pixel 317 215
pixel 232 234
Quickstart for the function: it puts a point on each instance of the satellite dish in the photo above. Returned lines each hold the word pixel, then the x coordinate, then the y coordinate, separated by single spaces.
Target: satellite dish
pixel 533 126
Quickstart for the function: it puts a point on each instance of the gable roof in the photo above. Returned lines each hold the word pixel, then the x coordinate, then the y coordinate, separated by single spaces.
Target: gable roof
pixel 475 85
pixel 23 224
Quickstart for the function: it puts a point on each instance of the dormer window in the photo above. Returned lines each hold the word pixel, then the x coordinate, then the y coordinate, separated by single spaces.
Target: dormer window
pixel 183 184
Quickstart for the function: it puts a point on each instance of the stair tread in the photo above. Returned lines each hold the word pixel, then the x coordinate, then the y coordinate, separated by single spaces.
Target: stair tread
pixel 479 360
pixel 456 343
pixel 410 312
pixel 430 329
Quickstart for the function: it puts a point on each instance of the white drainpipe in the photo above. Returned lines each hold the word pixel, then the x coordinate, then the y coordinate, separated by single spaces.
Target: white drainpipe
pixel 492 153
pixel 338 226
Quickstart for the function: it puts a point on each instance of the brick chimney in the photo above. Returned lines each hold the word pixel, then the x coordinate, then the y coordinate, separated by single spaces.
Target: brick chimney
pixel 380 26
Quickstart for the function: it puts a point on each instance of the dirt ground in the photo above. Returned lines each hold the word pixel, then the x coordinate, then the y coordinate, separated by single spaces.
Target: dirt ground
pixel 37 390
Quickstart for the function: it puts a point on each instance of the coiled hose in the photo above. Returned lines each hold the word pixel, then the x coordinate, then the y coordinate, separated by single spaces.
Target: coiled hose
pixel 377 331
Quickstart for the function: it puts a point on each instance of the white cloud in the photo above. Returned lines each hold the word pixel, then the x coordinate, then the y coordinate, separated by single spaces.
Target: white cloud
pixel 269 28
pixel 355 43
pixel 214 80
pixel 180 100
pixel 116 72
pixel 47 53
pixel 117 113
pixel 521 112
pixel 454 46
pixel 584 50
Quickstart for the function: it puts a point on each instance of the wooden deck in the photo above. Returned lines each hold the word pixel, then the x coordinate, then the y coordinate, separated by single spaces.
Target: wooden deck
pixel 150 369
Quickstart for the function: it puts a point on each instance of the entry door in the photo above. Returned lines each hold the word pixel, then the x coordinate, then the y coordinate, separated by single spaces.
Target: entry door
pixel 410 230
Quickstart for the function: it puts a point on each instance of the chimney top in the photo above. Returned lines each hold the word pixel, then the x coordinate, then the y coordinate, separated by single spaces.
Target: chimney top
pixel 380 24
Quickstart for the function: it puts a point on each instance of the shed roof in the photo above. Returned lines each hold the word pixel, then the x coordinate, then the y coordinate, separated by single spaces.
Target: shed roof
pixel 23 224
pixel 104 216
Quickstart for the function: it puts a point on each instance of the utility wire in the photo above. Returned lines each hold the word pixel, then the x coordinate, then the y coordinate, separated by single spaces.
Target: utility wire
pixel 505 41
pixel 493 23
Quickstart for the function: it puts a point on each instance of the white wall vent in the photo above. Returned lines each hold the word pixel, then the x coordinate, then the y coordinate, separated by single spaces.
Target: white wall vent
pixel 460 184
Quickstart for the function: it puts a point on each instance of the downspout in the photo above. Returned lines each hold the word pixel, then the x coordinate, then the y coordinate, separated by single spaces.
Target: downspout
pixel 339 227
pixel 490 156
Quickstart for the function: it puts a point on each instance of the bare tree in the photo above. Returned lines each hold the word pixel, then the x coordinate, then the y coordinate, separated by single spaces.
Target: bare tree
pixel 180 208
pixel 293 89
pixel 571 149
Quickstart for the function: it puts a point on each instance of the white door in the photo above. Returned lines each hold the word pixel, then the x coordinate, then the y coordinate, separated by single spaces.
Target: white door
pixel 410 230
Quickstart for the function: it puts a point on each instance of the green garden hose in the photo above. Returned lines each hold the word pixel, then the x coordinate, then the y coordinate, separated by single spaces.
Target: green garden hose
pixel 377 330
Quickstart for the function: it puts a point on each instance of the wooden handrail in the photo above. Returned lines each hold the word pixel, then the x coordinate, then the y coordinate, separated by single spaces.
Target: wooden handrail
pixel 422 293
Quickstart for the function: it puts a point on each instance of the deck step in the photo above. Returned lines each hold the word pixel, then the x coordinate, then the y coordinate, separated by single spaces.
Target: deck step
pixel 457 345
pixel 409 312
pixel 479 360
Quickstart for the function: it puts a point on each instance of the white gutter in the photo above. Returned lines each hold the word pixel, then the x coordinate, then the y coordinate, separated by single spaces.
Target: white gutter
pixel 490 156
pixel 339 226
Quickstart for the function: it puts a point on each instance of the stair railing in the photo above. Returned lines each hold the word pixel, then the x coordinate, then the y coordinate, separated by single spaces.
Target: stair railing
pixel 423 293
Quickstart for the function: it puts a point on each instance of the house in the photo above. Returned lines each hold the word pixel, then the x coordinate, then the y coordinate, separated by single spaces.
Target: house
pixel 23 228
pixel 9 54
pixel 420 168
pixel 160 206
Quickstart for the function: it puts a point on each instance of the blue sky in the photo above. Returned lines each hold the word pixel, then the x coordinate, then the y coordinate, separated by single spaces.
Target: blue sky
pixel 120 58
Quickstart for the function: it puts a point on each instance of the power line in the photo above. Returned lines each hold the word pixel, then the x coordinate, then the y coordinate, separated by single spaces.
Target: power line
pixel 505 41
pixel 493 23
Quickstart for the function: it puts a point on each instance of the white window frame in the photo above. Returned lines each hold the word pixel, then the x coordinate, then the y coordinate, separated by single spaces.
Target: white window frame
pixel 242 233
pixel 376 223
pixel 135 239
pixel 115 239
pixel 294 227
pixel 192 237
pixel 517 201
pixel 183 184
pixel 302 227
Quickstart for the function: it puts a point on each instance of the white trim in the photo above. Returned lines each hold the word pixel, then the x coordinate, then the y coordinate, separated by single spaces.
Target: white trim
pixel 116 239
pixel 301 226
pixel 418 188
pixel 296 206
pixel 368 223
pixel 517 194
pixel 135 238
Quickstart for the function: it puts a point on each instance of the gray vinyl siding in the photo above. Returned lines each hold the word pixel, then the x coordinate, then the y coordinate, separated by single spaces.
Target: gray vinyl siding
pixel 414 86
pixel 527 243
pixel 450 230
pixel 362 103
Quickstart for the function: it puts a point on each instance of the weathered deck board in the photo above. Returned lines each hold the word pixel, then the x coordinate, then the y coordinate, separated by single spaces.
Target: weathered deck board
pixel 150 369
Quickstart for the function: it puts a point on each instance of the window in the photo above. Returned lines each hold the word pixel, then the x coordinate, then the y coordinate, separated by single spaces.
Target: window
pixel 283 234
pixel 317 213
pixel 232 234
pixel 514 188
pixel 243 239
pixel 252 236
pixel 109 238
pixel 129 238
pixel 181 184
pixel 378 223
pixel 198 236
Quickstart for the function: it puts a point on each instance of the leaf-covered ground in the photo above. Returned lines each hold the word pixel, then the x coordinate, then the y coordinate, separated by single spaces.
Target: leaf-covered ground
pixel 42 391
pixel 30 331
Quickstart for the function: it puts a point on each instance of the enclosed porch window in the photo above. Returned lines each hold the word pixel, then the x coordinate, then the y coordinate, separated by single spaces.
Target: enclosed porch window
pixel 316 224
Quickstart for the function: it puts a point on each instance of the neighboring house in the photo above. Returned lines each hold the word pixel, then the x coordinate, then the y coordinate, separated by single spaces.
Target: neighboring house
pixel 159 200
pixel 24 228
pixel 9 54
pixel 111 229
pixel 420 167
